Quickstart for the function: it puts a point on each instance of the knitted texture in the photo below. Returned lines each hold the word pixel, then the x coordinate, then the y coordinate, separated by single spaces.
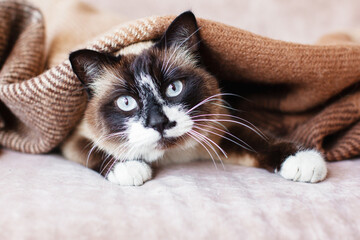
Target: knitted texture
pixel 307 93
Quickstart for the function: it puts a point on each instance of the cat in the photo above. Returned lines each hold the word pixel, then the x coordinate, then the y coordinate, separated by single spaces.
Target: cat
pixel 155 102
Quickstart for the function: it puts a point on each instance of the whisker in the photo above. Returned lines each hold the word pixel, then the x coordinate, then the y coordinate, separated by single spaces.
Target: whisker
pixel 258 132
pixel 98 141
pixel 247 147
pixel 89 155
pixel 226 132
pixel 113 159
pixel 206 140
pixel 211 97
pixel 111 167
pixel 116 159
pixel 227 107
pixel 105 159
pixel 220 124
pixel 122 157
pixel 236 117
pixel 113 135
pixel 199 141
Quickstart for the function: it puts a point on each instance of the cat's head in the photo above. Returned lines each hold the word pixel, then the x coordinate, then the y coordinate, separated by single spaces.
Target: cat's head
pixel 145 100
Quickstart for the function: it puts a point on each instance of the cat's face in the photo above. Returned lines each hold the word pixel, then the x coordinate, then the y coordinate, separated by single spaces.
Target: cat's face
pixel 144 101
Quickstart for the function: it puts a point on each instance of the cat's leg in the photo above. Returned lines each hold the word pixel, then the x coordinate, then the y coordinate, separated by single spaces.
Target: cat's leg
pixel 288 159
pixel 127 173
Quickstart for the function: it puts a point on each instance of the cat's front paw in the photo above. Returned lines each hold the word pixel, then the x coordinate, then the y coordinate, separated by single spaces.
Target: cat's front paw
pixel 304 166
pixel 130 173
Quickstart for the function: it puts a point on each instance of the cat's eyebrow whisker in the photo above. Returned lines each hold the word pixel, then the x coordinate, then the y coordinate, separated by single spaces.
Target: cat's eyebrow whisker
pixel 195 44
pixel 121 80
pixel 168 75
pixel 243 144
pixel 162 66
pixel 169 65
pixel 177 48
pixel 193 136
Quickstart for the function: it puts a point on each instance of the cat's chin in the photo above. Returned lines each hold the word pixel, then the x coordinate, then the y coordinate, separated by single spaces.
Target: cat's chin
pixel 165 145
pixel 153 155
pixel 168 143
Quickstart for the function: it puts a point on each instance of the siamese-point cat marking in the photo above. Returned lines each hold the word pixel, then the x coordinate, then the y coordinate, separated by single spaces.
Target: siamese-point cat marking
pixel 154 101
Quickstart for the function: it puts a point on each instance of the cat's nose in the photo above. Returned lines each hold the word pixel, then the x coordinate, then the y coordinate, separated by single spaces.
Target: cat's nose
pixel 159 122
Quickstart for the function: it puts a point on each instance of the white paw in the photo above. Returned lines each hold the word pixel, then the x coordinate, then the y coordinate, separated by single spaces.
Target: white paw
pixel 130 173
pixel 304 166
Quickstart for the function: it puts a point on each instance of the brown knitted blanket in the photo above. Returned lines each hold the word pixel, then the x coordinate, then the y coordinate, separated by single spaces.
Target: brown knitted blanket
pixel 308 93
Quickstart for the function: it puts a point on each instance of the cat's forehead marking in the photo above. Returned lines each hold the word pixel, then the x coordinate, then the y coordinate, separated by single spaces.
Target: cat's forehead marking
pixel 148 86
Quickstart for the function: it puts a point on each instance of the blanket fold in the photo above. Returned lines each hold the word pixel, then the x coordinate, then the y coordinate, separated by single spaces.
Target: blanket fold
pixel 307 93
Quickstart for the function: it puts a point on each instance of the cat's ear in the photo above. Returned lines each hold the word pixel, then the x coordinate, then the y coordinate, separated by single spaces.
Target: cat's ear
pixel 183 31
pixel 88 65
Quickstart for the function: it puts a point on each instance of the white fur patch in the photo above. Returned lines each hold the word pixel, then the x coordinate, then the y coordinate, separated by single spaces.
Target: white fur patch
pixel 148 82
pixel 304 166
pixel 183 122
pixel 142 142
pixel 130 173
pixel 178 55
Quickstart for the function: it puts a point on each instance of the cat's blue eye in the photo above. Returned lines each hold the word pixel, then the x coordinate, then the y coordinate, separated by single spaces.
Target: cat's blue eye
pixel 174 89
pixel 126 103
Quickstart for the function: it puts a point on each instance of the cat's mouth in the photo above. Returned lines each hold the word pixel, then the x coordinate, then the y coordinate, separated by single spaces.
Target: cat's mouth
pixel 174 137
pixel 165 143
